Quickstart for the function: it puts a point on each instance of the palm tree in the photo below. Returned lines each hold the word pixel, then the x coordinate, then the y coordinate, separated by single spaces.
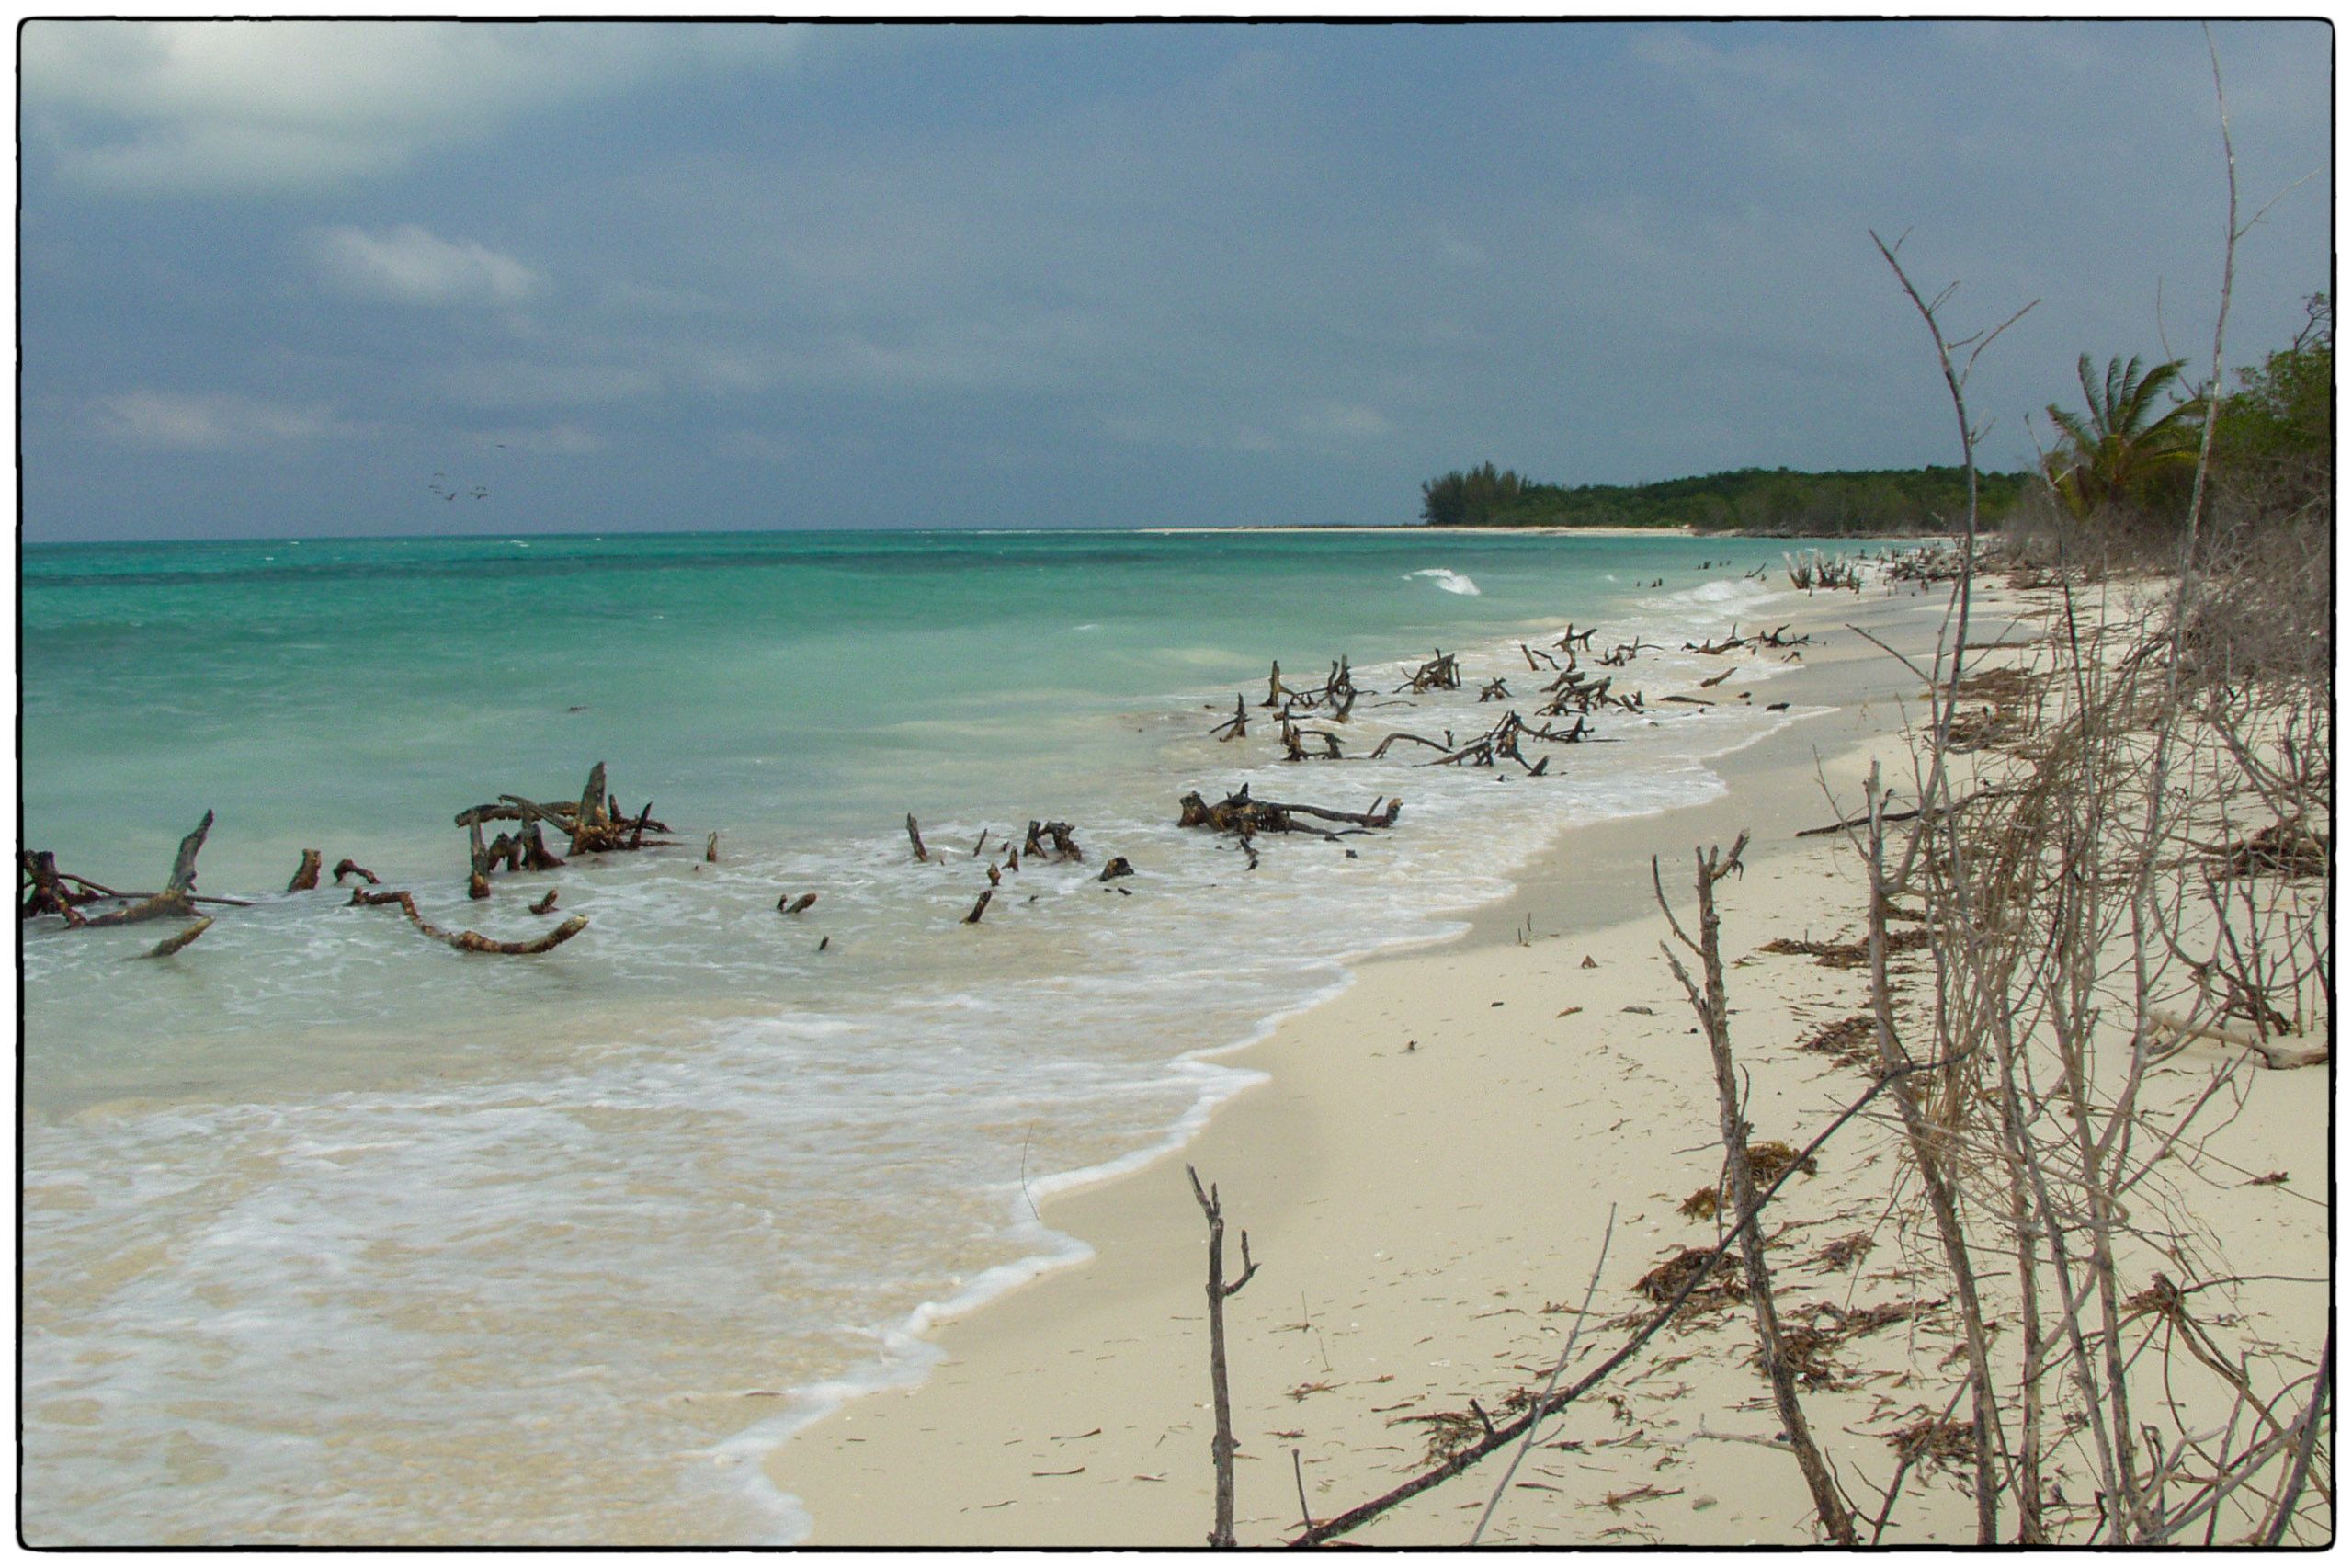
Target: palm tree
pixel 2112 456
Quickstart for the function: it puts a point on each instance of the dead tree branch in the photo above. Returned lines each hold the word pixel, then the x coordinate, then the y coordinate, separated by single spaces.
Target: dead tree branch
pixel 1511 1431
pixel 473 941
pixel 1714 1008
pixel 1222 1447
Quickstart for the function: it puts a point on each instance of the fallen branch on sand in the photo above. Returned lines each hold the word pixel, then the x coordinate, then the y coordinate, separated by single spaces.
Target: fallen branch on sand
pixel 1506 1433
pixel 2276 1054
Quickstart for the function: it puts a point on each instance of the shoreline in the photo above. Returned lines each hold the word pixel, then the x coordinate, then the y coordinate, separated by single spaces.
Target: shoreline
pixel 1441 1159
pixel 1607 530
pixel 1553 896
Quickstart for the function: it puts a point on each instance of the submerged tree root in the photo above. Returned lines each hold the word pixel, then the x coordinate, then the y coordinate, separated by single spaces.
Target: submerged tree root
pixel 473 941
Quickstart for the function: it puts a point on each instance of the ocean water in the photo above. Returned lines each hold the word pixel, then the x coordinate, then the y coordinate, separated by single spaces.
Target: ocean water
pixel 334 1235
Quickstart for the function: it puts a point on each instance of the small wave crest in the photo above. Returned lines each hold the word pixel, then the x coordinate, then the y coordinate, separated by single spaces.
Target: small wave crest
pixel 1450 580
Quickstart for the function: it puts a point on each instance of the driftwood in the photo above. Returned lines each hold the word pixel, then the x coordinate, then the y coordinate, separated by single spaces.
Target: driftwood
pixel 597 825
pixel 473 941
pixel 1057 834
pixel 1338 694
pixel 1502 741
pixel 178 899
pixel 346 866
pixel 536 855
pixel 480 858
pixel 1294 746
pixel 710 849
pixel 1239 814
pixel 1117 866
pixel 171 944
pixel 787 905
pixel 1237 727
pixel 1724 646
pixel 1273 686
pixel 2276 1053
pixel 546 904
pixel 47 892
pixel 915 836
pixel 306 875
pixel 1814 572
pixel 1576 693
pixel 1442 672
pixel 982 908
pixel 593 823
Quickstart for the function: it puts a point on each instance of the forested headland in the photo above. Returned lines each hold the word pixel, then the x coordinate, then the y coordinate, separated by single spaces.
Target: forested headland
pixel 1747 500
pixel 2120 464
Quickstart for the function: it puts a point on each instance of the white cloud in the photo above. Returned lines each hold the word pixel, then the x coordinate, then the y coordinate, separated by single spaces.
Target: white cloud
pixel 205 422
pixel 416 266
pixel 204 107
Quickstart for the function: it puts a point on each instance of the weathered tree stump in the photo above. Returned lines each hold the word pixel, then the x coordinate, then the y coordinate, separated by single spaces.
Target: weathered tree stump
pixel 47 894
pixel 1057 834
pixel 306 875
pixel 178 899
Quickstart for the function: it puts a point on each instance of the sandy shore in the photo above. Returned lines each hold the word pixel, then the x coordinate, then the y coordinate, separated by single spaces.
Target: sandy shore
pixel 1672 530
pixel 1427 1179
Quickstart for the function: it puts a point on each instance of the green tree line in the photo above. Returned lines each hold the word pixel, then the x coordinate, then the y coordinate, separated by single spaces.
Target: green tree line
pixel 2128 460
pixel 1751 500
pixel 2125 459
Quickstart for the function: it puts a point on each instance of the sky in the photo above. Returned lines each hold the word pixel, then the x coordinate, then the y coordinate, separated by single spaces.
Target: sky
pixel 335 278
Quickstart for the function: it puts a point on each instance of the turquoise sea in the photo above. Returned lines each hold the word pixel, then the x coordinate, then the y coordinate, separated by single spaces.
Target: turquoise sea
pixel 334 1235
